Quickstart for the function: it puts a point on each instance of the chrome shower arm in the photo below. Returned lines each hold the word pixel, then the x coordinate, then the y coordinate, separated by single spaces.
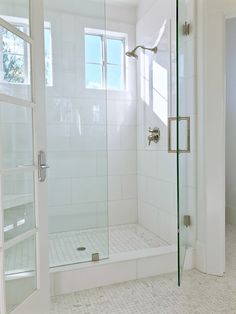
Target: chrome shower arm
pixel 133 52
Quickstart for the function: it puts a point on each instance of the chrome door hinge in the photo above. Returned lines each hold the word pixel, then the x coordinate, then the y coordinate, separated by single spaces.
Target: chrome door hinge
pixel 187 221
pixel 186 29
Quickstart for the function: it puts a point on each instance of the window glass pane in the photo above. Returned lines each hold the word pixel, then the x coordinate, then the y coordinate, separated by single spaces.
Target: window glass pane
pixel 115 78
pixel 14 66
pixel 93 76
pixel 18 204
pixel 115 51
pixel 93 49
pixel 16 13
pixel 20 272
pixel 48 56
pixel 16 136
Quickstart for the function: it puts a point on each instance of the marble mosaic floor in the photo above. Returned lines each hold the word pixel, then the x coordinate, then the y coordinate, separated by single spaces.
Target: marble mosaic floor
pixel 126 238
pixel 199 294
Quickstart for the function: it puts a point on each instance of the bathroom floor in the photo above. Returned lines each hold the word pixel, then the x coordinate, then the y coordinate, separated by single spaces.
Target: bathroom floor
pixel 199 293
pixel 127 238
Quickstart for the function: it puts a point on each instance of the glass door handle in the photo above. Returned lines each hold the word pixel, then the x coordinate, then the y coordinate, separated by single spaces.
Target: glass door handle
pixel 42 166
pixel 178 120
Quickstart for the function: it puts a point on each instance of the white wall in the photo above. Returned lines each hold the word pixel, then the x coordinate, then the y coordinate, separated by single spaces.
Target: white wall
pixel 78 123
pixel 157 199
pixel 156 167
pixel 211 153
pixel 230 121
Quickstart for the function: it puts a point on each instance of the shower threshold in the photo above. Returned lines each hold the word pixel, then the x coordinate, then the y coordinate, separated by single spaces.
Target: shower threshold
pixel 134 253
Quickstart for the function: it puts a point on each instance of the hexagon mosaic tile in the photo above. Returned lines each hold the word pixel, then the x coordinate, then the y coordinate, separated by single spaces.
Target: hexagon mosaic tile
pixel 199 293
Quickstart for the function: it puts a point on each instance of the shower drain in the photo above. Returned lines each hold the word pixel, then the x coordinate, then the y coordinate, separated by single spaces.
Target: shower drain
pixel 81 248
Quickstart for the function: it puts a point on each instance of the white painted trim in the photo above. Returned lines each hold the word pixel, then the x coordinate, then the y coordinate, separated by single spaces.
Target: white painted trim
pixel 2 255
pixel 211 98
pixel 22 237
pixel 15 31
pixel 16 101
pixel 23 169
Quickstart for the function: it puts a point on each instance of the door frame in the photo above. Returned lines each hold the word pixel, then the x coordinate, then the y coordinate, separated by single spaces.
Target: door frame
pixel 211 91
pixel 38 301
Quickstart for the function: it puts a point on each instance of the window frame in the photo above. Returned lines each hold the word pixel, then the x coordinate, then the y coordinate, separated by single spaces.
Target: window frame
pixel 26 56
pixel 24 23
pixel 105 36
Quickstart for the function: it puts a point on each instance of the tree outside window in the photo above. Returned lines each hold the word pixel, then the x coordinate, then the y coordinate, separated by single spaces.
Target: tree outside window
pixel 16 56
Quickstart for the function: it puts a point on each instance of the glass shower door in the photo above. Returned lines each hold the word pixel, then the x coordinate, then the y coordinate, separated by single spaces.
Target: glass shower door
pixel 185 166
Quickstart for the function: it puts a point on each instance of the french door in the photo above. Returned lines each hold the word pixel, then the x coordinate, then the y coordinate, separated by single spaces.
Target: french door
pixel 24 276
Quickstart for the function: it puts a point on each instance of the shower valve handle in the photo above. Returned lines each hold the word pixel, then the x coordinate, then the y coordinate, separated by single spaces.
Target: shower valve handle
pixel 154 135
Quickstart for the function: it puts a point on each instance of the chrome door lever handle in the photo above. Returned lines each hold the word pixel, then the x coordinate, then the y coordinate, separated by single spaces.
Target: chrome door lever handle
pixel 44 166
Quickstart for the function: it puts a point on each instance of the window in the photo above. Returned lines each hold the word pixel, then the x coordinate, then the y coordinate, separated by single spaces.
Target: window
pixel 48 54
pixel 14 58
pixel 15 55
pixel 104 61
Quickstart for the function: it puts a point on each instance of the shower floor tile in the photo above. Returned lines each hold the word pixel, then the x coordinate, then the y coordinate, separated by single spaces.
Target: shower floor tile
pixel 127 238
pixel 199 293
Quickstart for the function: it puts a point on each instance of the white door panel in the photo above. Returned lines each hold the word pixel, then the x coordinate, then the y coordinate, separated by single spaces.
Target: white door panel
pixel 23 221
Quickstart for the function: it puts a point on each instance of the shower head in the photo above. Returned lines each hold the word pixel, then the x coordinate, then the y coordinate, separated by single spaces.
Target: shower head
pixel 132 53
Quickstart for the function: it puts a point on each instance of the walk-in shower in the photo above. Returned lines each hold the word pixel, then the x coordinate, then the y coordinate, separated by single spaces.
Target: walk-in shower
pixel 110 200
pixel 93 142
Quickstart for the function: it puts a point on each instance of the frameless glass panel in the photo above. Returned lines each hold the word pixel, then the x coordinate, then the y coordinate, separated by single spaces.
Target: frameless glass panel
pixel 77 134
pixel 18 204
pixel 16 136
pixel 15 65
pixel 115 77
pixel 16 12
pixel 93 76
pixel 93 49
pixel 115 51
pixel 185 107
pixel 20 273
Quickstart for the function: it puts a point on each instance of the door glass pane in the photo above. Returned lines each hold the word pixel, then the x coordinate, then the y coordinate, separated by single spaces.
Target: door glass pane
pixel 18 204
pixel 20 272
pixel 16 136
pixel 77 134
pixel 16 12
pixel 185 113
pixel 15 65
